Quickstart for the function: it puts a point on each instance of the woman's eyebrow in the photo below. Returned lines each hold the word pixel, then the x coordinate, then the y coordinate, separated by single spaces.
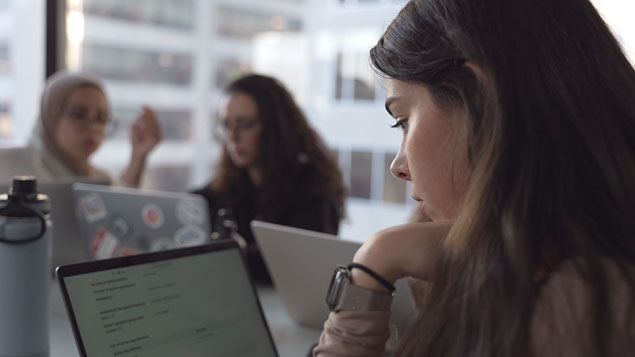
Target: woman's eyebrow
pixel 389 102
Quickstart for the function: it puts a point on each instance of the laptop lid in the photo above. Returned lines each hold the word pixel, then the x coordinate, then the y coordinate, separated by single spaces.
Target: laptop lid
pixel 301 264
pixel 191 302
pixel 119 221
pixel 68 245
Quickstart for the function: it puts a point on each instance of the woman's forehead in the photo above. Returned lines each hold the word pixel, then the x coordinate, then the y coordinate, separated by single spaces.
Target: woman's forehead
pixel 237 104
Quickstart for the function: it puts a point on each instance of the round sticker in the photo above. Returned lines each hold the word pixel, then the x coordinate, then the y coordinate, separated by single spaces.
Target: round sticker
pixel 152 215
pixel 161 244
pixel 189 236
pixel 190 212
pixel 121 227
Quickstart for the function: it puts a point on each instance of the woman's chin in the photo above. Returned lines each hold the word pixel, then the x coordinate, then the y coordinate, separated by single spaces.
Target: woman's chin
pixel 241 162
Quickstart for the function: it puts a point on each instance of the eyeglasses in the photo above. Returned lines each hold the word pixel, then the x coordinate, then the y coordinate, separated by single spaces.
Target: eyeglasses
pixel 81 116
pixel 222 128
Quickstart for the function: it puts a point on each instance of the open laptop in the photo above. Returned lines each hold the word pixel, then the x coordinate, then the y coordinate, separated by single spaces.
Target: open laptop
pixel 189 302
pixel 119 221
pixel 301 264
pixel 68 245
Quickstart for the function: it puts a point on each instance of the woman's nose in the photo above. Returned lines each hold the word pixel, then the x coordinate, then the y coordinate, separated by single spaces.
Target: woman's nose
pixel 399 166
pixel 232 133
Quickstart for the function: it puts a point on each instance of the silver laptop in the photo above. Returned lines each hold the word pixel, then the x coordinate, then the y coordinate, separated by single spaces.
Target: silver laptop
pixel 301 264
pixel 119 221
pixel 68 245
pixel 189 302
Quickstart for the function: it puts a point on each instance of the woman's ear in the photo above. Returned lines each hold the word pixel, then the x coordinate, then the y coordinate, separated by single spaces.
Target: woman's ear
pixel 478 71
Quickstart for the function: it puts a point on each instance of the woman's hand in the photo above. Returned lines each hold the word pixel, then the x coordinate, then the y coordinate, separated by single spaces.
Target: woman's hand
pixel 145 133
pixel 407 250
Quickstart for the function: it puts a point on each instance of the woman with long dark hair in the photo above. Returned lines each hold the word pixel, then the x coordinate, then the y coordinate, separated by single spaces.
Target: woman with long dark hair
pixel 274 166
pixel 518 122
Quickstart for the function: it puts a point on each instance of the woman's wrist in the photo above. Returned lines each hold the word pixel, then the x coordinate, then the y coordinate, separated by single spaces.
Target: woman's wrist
pixel 372 254
pixel 361 278
pixel 138 157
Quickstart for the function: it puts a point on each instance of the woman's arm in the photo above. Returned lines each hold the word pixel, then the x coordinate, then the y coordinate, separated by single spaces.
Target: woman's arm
pixel 145 135
pixel 407 250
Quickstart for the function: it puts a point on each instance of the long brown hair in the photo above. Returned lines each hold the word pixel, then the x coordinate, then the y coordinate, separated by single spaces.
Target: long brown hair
pixel 288 145
pixel 552 149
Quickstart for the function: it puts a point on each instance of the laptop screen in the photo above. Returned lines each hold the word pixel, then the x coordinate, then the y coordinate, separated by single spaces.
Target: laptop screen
pixel 188 302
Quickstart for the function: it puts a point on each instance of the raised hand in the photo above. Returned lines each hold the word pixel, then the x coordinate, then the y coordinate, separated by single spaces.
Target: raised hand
pixel 145 133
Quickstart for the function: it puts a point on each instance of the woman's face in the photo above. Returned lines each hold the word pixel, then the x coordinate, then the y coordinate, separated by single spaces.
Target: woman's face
pixel 82 125
pixel 241 127
pixel 433 152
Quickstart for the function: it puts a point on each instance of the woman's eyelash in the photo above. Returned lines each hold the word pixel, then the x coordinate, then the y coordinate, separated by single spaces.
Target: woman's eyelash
pixel 400 124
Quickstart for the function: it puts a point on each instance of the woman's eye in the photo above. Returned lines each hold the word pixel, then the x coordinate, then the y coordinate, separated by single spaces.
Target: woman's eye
pixel 400 124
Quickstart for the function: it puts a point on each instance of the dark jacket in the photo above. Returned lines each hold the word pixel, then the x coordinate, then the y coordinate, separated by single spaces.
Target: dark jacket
pixel 299 208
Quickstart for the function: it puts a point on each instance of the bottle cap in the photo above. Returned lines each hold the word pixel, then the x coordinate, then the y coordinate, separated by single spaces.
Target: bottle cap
pixel 25 185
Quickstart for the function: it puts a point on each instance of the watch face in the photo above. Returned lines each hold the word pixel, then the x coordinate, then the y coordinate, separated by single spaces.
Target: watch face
pixel 340 276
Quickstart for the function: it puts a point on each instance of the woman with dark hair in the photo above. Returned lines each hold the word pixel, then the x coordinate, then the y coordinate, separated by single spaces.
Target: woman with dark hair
pixel 518 122
pixel 274 167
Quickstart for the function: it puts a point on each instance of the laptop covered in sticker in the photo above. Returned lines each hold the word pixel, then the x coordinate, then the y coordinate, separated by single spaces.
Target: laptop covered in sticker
pixel 120 221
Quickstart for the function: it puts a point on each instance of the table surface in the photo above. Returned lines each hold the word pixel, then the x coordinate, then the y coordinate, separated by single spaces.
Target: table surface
pixel 291 339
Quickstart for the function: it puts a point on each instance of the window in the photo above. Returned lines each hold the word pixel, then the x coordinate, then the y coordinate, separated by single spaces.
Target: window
pixel 231 68
pixel 355 81
pixel 176 123
pixel 172 55
pixel 171 13
pixel 145 51
pixel 361 171
pixel 395 190
pixel 245 24
pixel 619 15
pixel 140 66
pixel 21 68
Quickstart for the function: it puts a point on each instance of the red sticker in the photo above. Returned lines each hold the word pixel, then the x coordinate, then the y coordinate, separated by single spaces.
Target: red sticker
pixel 125 252
pixel 104 244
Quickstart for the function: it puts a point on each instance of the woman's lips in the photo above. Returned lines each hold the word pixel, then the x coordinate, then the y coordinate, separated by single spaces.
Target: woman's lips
pixel 420 205
pixel 421 208
pixel 90 144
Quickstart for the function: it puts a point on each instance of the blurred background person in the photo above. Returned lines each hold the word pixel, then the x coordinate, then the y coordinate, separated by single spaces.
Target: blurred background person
pixel 274 167
pixel 74 119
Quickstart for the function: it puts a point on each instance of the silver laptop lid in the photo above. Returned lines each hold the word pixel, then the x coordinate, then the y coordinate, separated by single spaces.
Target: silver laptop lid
pixel 301 264
pixel 189 302
pixel 118 221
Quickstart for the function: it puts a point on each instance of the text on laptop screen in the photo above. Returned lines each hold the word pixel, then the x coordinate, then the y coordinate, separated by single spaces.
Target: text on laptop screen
pixel 199 305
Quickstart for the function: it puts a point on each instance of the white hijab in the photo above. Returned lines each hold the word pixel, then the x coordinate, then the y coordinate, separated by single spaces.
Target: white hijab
pixel 50 158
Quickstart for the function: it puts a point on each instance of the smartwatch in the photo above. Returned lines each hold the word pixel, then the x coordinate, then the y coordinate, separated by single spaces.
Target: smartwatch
pixel 344 295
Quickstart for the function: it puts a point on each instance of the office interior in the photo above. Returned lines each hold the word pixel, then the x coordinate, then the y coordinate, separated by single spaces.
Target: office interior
pixel 177 55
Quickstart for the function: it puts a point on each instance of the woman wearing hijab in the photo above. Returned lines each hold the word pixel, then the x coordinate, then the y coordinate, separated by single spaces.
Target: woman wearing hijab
pixel 73 122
